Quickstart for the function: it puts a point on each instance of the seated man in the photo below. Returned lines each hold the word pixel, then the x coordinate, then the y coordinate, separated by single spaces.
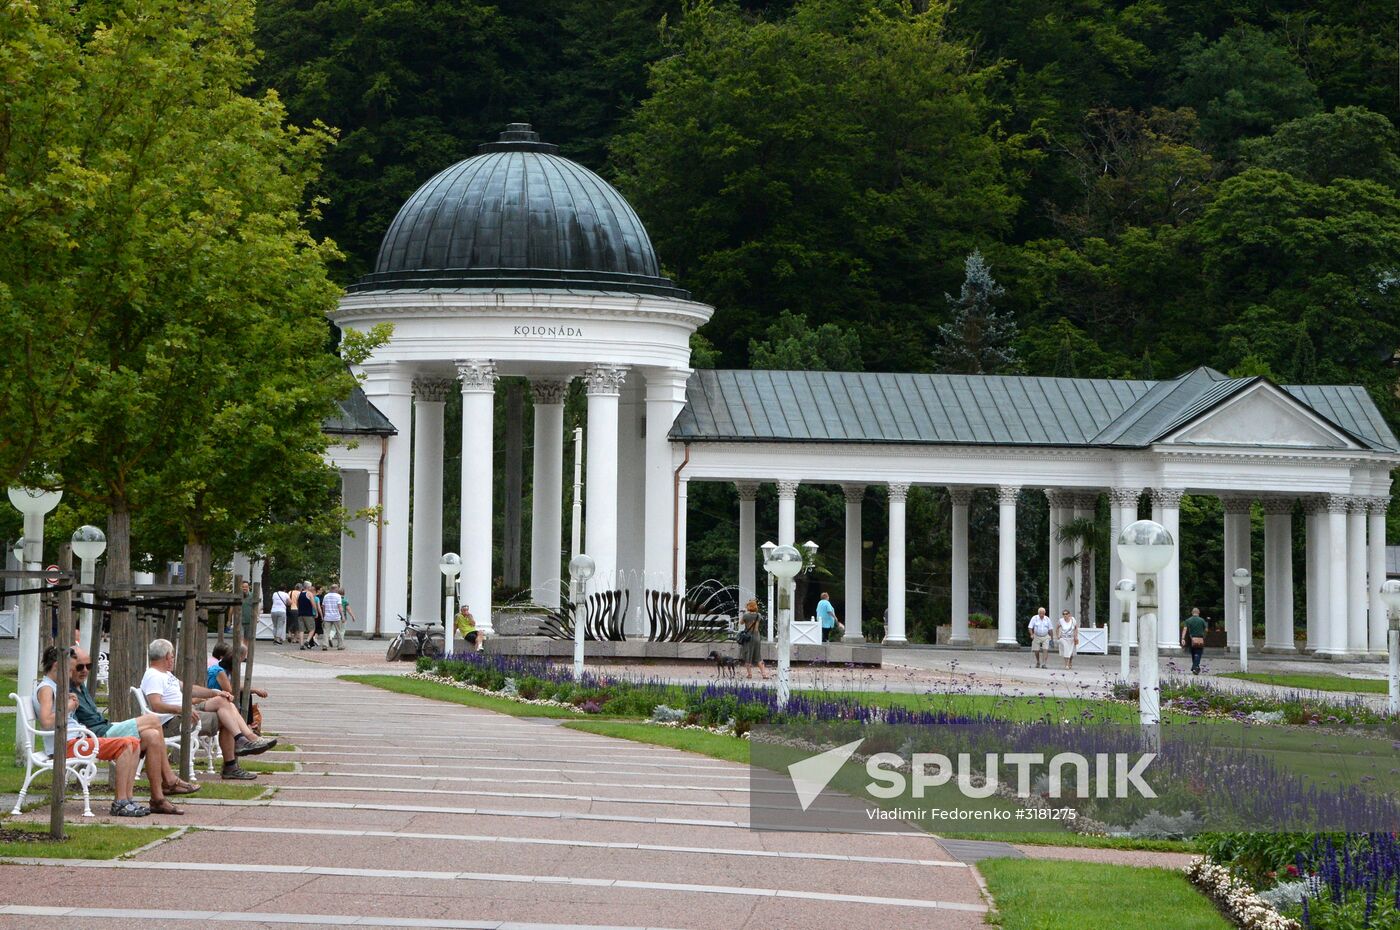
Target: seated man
pixel 145 728
pixel 214 713
pixel 122 752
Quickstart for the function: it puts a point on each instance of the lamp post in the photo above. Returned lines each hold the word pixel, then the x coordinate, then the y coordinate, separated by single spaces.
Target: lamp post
pixel 809 562
pixel 581 568
pixel 89 543
pixel 1240 579
pixel 767 550
pixel 34 504
pixel 784 563
pixel 1390 595
pixel 1145 549
pixel 1126 591
pixel 451 566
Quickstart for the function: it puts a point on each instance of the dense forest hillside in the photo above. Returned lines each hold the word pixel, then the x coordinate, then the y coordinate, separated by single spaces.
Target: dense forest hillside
pixel 1151 185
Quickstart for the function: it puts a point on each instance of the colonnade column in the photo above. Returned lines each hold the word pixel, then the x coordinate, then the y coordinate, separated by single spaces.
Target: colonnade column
pixel 665 396
pixel 748 542
pixel 604 385
pixel 1006 564
pixel 1376 508
pixel 855 579
pixel 478 441
pixel 1169 579
pixel 1054 591
pixel 389 386
pixel 547 495
pixel 961 497
pixel 1357 597
pixel 1123 503
pixel 682 505
pixel 1333 552
pixel 1314 577
pixel 369 610
pixel 1278 574
pixel 1236 552
pixel 894 619
pixel 787 512
pixel 429 396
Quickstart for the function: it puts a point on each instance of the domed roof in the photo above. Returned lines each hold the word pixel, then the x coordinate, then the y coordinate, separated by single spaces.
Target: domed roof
pixel 518 215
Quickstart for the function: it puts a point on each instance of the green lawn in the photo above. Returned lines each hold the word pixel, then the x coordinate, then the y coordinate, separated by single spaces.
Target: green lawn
pixel 84 841
pixel 8 685
pixel 1001 707
pixel 1314 681
pixel 257 765
pixel 710 744
pixel 440 692
pixel 1079 841
pixel 1032 894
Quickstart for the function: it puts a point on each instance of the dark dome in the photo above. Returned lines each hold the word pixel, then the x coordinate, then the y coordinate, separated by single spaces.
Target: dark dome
pixel 518 215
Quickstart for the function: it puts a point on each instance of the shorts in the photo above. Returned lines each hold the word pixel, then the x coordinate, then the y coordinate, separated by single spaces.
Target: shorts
pixel 124 728
pixel 1039 643
pixel 208 724
pixel 109 748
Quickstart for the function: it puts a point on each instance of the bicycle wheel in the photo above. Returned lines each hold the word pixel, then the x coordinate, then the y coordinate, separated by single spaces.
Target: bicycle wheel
pixel 433 647
pixel 395 647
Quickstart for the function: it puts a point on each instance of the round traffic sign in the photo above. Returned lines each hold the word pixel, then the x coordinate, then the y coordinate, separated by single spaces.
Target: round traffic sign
pixel 52 578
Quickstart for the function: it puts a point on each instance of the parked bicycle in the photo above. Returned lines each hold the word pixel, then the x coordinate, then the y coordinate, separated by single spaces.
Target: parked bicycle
pixel 414 641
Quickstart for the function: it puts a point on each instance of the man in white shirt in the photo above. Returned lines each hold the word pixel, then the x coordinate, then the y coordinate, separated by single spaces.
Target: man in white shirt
pixel 1040 627
pixel 215 711
pixel 332 618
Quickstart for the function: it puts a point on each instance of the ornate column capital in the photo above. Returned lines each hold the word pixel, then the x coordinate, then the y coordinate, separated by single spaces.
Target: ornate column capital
pixel 899 492
pixel 1086 500
pixel 1058 497
pixel 855 493
pixel 604 379
pixel 748 490
pixel 1125 497
pixel 1357 504
pixel 432 390
pixel 960 495
pixel 1336 503
pixel 1378 504
pixel 1236 503
pixel 549 390
pixel 1168 497
pixel 1276 506
pixel 1008 494
pixel 478 376
pixel 787 488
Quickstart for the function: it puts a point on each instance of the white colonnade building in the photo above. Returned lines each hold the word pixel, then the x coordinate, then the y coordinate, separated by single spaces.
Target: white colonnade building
pixel 519 263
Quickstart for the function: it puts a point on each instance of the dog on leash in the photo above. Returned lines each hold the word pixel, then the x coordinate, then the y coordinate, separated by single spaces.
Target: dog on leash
pixel 725 666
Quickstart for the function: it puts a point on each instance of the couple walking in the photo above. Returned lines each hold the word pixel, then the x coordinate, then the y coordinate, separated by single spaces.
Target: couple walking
pixel 1043 630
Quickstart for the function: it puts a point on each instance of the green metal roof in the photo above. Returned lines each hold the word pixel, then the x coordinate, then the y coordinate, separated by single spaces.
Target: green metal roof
pixel 358 417
pixel 822 406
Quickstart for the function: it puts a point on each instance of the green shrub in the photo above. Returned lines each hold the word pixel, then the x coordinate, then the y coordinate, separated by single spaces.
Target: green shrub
pixel 980 622
pixel 530 688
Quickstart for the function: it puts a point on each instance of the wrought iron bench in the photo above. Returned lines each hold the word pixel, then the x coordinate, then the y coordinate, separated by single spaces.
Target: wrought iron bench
pixel 82 765
pixel 209 744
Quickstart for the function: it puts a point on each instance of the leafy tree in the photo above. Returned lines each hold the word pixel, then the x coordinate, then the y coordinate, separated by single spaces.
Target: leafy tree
pixel 790 344
pixel 1349 142
pixel 1243 84
pixel 833 162
pixel 977 339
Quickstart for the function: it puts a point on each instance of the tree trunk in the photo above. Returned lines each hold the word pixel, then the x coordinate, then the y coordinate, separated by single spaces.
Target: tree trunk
pixel 190 652
pixel 126 653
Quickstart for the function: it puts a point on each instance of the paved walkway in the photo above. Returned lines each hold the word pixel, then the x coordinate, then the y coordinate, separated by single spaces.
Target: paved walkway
pixel 466 818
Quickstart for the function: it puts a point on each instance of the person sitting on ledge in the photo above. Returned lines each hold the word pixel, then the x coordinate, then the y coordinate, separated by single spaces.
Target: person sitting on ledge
pixel 216 712
pixel 121 751
pixel 145 728
pixel 466 629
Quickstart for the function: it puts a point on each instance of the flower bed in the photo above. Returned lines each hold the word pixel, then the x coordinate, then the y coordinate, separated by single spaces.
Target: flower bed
pixel 1200 699
pixel 1236 898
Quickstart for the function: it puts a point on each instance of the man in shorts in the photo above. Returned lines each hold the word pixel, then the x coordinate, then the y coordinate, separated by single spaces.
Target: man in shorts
pixel 1040 627
pixel 214 712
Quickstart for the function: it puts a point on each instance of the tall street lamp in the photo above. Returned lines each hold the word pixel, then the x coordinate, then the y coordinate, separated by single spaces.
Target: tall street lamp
pixel 1390 594
pixel 1146 548
pixel 451 565
pixel 581 569
pixel 767 550
pixel 784 563
pixel 1241 579
pixel 34 504
pixel 89 543
pixel 1126 591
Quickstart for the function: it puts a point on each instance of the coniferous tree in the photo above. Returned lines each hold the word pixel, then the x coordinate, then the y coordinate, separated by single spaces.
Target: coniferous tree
pixel 977 339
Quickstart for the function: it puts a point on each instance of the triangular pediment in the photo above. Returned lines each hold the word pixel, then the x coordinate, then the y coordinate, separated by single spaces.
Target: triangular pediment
pixel 1261 415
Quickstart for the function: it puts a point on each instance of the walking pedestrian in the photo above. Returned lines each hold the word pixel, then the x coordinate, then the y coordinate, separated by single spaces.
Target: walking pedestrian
pixel 279 616
pixel 826 613
pixel 1193 637
pixel 309 614
pixel 750 645
pixel 1041 627
pixel 332 618
pixel 1068 635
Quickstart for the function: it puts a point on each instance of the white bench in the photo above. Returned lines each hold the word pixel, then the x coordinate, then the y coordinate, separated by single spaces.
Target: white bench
pixel 82 765
pixel 210 744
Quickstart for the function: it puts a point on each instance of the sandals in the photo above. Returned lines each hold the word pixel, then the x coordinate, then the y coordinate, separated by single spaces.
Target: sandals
pixel 182 787
pixel 129 808
pixel 165 807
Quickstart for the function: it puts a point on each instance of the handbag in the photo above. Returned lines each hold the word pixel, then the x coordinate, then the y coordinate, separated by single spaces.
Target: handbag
pixel 744 637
